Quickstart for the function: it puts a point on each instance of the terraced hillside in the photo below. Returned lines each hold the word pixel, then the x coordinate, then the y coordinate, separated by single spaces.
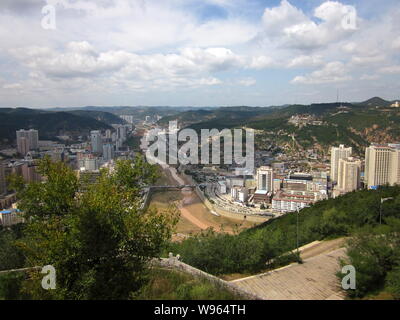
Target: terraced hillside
pixel 353 124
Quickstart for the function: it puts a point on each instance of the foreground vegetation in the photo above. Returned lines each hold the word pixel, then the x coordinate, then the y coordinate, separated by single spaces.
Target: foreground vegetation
pixel 97 241
pixel 100 245
pixel 166 284
pixel 355 214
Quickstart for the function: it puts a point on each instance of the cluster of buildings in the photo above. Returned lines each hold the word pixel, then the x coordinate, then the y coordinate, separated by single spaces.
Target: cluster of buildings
pixel 103 147
pixel 277 188
pixel 395 104
pixel 274 188
pixel 305 120
pixel 86 157
pixel 27 140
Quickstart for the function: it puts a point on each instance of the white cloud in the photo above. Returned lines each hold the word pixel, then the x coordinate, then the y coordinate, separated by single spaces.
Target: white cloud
pixel 369 77
pixel 261 62
pixel 368 60
pixel 247 82
pixel 395 69
pixel 305 61
pixel 294 29
pixel 332 72
pixel 117 46
pixel 12 86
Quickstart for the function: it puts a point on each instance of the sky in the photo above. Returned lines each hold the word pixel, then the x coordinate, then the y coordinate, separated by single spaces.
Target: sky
pixel 73 53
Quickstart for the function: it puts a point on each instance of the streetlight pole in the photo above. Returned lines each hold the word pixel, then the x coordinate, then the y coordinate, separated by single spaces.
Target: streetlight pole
pixel 297 232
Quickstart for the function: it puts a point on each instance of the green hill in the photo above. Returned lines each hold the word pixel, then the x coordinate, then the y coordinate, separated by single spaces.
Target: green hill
pixel 49 124
pixel 102 116
pixel 353 124
pixel 376 102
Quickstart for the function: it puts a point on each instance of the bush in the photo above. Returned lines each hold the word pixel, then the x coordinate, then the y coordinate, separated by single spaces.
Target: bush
pixel 250 250
pixel 10 286
pixel 393 282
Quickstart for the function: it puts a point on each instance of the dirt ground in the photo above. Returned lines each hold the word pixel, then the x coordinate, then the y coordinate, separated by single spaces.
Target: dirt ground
pixel 195 216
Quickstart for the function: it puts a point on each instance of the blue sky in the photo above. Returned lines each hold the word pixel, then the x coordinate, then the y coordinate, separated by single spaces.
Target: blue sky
pixel 199 53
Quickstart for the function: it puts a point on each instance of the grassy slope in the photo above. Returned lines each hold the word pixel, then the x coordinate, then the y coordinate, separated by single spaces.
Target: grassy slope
pixel 168 284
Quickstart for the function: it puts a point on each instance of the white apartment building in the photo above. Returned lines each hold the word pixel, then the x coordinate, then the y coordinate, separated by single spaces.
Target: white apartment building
pixel 287 201
pixel 349 173
pixel 338 153
pixel 382 165
pixel 265 179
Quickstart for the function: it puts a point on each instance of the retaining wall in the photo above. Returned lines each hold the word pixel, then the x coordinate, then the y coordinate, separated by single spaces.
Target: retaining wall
pixel 222 212
pixel 174 263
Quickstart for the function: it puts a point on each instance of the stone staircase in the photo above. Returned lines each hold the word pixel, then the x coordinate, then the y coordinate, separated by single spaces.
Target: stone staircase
pixel 315 279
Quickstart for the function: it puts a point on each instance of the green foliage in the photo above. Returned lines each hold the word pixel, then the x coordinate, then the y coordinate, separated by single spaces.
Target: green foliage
pixel 49 123
pixel 98 241
pixel 252 249
pixel 106 117
pixel 10 256
pixel 134 143
pixel 10 286
pixel 393 282
pixel 359 125
pixel 167 284
pixel 375 254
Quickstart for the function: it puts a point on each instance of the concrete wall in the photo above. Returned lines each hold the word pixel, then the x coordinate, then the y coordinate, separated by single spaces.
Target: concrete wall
pixel 174 263
pixel 146 200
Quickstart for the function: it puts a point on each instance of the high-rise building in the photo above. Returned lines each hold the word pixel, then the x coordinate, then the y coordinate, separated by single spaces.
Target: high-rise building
pixel 382 165
pixel 127 118
pixel 108 134
pixel 29 172
pixel 121 133
pixel 3 184
pixel 338 153
pixel 349 172
pixel 22 145
pixel 27 140
pixel 96 141
pixel 265 178
pixel 108 152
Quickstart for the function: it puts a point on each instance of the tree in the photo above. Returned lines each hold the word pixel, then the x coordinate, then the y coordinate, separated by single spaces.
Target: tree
pixel 99 241
pixel 393 282
pixel 10 256
pixel 375 254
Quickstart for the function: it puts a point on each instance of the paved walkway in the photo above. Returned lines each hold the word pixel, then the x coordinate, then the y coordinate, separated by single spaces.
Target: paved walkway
pixel 315 279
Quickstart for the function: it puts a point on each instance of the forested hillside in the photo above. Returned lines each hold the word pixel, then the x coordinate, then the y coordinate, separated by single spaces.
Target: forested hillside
pixel 49 124
pixel 353 124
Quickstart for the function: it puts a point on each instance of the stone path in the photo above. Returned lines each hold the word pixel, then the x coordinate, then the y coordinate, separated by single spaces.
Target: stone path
pixel 315 279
